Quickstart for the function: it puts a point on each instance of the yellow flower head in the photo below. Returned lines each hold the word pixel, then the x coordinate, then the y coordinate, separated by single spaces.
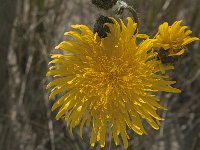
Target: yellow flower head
pixel 173 38
pixel 107 83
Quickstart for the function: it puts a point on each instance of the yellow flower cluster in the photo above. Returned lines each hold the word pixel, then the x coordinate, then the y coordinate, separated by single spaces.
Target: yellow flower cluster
pixel 109 84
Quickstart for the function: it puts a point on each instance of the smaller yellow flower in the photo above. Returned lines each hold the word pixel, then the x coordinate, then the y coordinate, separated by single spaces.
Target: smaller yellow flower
pixel 173 38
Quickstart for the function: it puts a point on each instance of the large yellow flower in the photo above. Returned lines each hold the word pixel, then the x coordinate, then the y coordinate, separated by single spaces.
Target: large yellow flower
pixel 107 83
pixel 173 38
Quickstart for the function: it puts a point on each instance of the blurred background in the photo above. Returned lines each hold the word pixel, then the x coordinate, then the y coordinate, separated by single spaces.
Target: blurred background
pixel 29 31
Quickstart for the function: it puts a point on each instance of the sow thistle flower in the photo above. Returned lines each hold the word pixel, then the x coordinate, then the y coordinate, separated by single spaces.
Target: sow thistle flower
pixel 108 83
pixel 173 38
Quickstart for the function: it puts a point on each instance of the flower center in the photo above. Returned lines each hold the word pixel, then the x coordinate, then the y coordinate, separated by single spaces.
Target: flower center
pixel 112 76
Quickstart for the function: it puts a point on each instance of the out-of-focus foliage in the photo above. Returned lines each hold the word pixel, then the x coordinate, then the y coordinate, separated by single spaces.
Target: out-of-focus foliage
pixel 29 31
